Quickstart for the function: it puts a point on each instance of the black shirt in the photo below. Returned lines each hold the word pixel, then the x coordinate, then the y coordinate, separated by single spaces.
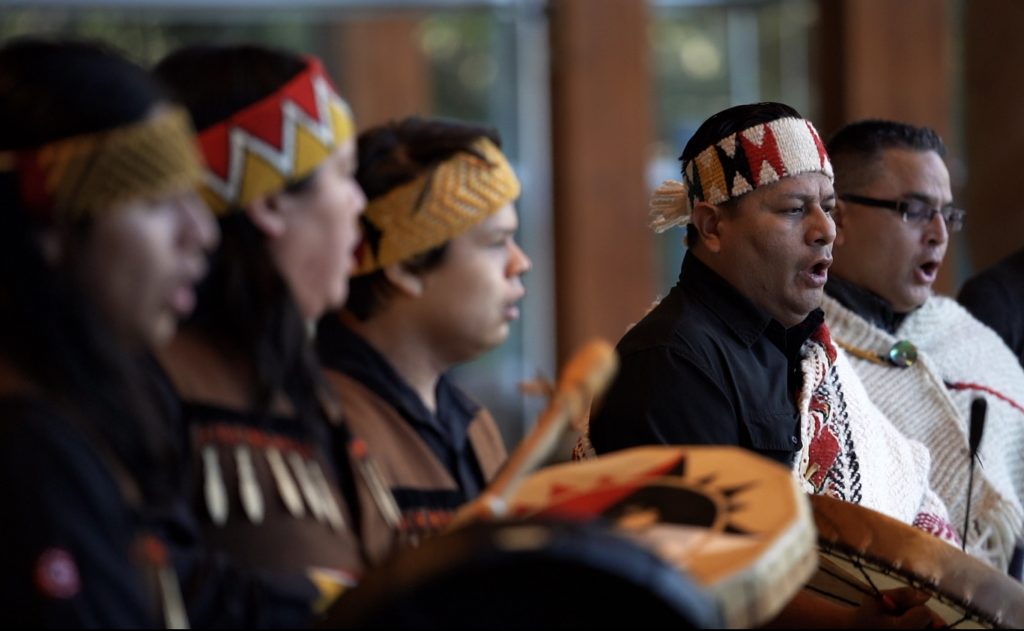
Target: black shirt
pixel 67 536
pixel 996 297
pixel 706 366
pixel 866 304
pixel 446 432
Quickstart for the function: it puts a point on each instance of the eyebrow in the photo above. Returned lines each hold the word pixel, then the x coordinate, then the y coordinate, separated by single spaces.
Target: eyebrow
pixel 928 199
pixel 806 198
pixel 498 233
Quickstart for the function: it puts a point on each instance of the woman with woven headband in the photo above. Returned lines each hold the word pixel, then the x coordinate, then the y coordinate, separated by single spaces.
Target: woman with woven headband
pixel 438 282
pixel 279 147
pixel 101 238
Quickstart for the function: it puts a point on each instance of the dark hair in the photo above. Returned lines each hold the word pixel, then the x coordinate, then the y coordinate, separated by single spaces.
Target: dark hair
pixel 245 304
pixel 389 156
pixel 729 121
pixel 854 148
pixel 50 330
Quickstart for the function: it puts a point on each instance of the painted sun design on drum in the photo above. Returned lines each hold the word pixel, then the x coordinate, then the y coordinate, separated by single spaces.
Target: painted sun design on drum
pixel 681 503
pixel 664 496
pixel 672 499
pixel 723 515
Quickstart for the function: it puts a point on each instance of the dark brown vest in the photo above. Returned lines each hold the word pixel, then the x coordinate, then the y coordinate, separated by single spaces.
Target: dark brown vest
pixel 241 463
pixel 407 462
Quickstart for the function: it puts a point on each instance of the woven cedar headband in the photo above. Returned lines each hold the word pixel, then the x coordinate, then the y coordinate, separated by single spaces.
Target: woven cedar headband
pixel 275 141
pixel 86 175
pixel 436 206
pixel 738 164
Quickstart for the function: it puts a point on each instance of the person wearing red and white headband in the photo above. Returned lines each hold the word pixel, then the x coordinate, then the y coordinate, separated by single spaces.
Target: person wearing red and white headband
pixel 738 353
pixel 279 149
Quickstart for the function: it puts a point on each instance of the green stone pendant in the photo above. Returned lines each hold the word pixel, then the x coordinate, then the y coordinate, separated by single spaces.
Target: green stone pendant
pixel 903 354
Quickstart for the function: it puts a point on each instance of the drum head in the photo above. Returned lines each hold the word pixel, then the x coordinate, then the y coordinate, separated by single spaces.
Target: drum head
pixel 863 552
pixel 524 574
pixel 732 520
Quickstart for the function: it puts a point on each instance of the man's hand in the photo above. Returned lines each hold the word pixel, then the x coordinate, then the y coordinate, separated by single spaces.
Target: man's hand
pixel 901 608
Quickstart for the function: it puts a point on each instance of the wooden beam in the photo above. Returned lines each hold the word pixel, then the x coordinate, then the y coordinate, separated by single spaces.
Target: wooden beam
pixel 381 70
pixel 891 59
pixel 994 95
pixel 602 125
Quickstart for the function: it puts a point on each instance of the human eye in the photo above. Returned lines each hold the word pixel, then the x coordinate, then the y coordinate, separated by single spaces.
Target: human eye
pixel 501 241
pixel 917 210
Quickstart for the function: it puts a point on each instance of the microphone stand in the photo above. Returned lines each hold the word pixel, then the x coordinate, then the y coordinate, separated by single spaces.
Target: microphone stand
pixel 978 409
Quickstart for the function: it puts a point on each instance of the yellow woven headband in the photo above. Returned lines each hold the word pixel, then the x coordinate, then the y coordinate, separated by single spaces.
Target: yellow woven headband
pixel 436 207
pixel 92 173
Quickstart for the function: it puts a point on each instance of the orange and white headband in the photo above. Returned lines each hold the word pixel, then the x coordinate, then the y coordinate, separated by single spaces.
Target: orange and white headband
pixel 84 176
pixel 274 142
pixel 738 164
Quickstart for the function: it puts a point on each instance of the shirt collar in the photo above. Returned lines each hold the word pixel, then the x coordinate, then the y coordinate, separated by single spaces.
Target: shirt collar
pixel 736 311
pixel 865 303
pixel 746 320
pixel 344 350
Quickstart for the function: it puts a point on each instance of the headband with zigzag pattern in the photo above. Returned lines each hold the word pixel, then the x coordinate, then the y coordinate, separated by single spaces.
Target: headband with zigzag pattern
pixel 275 141
pixel 736 165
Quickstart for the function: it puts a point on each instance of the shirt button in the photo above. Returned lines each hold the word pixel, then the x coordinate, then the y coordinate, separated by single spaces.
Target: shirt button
pixel 794 440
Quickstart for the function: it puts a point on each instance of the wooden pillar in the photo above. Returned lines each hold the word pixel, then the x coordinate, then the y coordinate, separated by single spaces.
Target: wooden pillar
pixel 602 126
pixel 891 59
pixel 381 70
pixel 994 130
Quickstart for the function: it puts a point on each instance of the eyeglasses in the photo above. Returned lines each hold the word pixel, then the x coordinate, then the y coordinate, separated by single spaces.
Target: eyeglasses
pixel 915 210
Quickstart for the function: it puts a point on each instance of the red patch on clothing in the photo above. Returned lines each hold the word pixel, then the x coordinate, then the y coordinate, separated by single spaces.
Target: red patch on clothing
pixel 824 448
pixel 823 336
pixel 935 525
pixel 823 452
pixel 56 574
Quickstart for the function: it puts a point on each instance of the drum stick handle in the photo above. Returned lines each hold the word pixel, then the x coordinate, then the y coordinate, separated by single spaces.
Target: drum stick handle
pixel 978 408
pixel 586 375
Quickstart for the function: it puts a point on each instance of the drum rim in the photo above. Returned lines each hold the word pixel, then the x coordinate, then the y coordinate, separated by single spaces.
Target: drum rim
pixel 883 566
pixel 839 522
pixel 792 546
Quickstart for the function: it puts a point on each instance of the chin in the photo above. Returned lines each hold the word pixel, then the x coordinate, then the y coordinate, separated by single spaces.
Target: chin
pixel 803 308
pixel 492 341
pixel 153 335
pixel 911 303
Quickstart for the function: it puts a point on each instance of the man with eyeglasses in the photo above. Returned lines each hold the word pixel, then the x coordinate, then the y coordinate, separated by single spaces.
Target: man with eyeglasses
pixel 922 357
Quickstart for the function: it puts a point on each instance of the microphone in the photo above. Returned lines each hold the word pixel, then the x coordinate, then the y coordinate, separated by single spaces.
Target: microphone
pixel 978 408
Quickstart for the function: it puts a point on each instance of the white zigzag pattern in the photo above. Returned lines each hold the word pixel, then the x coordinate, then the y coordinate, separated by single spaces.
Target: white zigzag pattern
pixel 282 160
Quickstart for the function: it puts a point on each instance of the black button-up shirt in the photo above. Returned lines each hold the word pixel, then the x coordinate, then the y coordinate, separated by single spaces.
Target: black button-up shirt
pixel 706 366
pixel 446 432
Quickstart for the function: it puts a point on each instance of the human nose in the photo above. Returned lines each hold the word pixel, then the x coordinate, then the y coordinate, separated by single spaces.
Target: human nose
pixel 822 228
pixel 358 198
pixel 518 264
pixel 199 225
pixel 936 231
